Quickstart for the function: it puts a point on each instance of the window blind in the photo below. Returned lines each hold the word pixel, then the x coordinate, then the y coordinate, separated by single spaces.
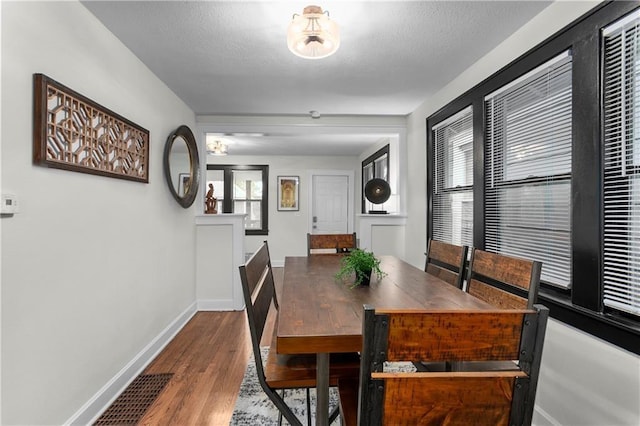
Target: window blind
pixel 453 190
pixel 621 115
pixel 528 169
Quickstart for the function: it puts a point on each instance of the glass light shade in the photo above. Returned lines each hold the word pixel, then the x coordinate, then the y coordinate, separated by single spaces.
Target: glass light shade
pixel 313 35
pixel 216 147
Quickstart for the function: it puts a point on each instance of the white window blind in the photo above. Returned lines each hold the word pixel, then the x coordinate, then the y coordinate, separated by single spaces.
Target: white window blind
pixel 621 271
pixel 528 169
pixel 453 192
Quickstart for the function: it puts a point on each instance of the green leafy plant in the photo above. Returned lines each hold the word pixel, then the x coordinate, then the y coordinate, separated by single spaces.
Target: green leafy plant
pixel 362 263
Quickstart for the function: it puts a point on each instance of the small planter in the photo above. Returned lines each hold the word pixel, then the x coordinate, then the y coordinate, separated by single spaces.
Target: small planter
pixel 361 264
pixel 365 277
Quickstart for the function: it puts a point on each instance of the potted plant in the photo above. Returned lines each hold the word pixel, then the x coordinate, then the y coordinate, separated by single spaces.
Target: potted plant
pixel 361 263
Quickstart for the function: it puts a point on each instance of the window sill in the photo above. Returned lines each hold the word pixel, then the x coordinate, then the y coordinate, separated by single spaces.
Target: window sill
pixel 618 331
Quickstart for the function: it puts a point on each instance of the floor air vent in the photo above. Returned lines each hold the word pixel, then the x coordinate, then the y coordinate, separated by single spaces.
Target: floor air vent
pixel 131 405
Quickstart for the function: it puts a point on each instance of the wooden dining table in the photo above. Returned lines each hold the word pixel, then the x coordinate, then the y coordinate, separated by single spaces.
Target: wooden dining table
pixel 319 314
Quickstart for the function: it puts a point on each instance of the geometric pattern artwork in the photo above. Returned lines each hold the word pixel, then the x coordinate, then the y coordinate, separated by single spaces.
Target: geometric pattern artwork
pixel 73 132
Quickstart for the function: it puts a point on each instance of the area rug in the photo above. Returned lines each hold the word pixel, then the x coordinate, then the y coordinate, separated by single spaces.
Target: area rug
pixel 253 407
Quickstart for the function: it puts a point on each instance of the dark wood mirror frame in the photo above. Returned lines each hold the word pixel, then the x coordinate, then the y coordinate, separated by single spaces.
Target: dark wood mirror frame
pixel 186 199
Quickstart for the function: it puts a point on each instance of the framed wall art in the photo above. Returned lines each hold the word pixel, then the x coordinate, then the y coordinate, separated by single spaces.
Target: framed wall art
pixel 288 193
pixel 184 182
pixel 72 132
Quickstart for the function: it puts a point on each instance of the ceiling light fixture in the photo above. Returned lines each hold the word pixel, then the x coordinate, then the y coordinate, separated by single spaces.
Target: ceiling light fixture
pixel 246 134
pixel 313 35
pixel 216 147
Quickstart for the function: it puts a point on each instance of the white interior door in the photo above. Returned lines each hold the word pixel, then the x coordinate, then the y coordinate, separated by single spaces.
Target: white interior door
pixel 330 204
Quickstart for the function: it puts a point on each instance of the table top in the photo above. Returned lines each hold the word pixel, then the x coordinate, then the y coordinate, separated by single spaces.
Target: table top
pixel 321 314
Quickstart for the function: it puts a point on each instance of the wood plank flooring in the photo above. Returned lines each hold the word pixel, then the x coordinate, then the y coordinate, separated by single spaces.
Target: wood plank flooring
pixel 208 358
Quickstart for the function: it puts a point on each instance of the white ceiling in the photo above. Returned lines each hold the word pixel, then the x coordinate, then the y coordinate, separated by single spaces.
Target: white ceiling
pixel 299 141
pixel 231 57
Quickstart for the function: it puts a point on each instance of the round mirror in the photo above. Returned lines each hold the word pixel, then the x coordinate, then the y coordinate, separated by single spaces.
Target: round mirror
pixel 182 165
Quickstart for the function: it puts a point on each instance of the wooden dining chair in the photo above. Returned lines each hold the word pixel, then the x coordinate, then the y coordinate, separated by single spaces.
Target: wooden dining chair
pixel 330 243
pixel 503 281
pixel 280 372
pixel 446 261
pixel 475 397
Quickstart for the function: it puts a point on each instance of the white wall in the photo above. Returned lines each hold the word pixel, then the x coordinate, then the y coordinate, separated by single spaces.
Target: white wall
pixel 0 234
pixel 288 229
pixel 586 381
pixel 388 240
pixel 93 268
pixel 416 246
pixel 583 381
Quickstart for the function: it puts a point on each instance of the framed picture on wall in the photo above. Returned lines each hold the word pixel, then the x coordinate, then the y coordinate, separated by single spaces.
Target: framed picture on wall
pixel 184 180
pixel 288 193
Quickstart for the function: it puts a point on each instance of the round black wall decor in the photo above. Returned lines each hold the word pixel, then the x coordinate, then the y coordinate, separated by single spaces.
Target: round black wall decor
pixel 377 191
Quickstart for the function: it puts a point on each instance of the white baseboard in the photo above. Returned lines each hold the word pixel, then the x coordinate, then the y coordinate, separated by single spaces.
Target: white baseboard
pixel 215 305
pixel 542 418
pixel 90 411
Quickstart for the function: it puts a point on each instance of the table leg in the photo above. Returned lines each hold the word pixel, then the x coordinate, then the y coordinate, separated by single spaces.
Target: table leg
pixel 322 389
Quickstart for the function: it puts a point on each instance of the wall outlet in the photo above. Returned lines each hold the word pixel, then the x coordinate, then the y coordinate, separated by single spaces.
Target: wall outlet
pixel 9 204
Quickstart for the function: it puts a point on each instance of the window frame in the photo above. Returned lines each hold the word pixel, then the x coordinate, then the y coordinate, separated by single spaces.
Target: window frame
pixel 228 200
pixel 371 160
pixel 504 183
pixel 620 160
pixel 582 305
pixel 451 190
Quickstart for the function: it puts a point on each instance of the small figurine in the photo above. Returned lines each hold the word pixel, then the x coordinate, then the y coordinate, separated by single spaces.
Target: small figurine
pixel 211 202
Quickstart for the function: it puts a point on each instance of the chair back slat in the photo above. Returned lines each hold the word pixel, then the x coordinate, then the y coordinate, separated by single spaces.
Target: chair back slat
pixel 446 261
pixel 259 290
pixel 256 266
pixel 505 269
pixel 330 243
pixel 450 254
pixel 448 400
pixel 455 335
pixel 495 296
pixel 504 281
pixel 445 275
pixel 261 305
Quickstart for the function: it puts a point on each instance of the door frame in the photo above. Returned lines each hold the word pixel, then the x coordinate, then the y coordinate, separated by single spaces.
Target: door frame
pixel 350 197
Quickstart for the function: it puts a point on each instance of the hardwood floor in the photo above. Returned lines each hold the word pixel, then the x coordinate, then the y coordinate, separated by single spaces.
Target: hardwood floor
pixel 208 358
